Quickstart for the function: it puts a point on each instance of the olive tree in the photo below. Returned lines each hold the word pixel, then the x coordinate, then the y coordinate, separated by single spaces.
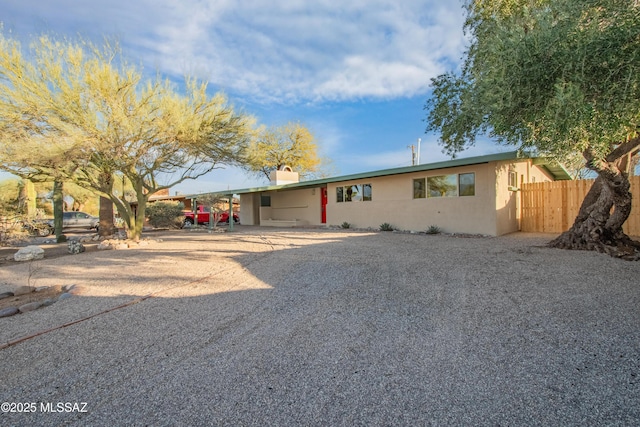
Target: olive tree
pixel 81 111
pixel 560 77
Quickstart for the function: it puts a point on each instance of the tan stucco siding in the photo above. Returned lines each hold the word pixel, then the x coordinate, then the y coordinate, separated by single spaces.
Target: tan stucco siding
pixel 302 205
pixel 249 209
pixel 508 203
pixel 392 202
pixel 494 209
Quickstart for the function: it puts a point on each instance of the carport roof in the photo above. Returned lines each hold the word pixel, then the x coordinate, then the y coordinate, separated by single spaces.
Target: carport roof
pixel 555 169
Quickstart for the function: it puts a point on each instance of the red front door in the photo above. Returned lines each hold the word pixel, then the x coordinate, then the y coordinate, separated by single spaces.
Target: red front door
pixel 323 197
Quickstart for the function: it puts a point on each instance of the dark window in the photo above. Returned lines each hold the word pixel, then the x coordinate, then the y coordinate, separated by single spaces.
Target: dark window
pixel 419 189
pixel 354 193
pixel 467 182
pixel 265 201
pixel 366 192
pixel 443 186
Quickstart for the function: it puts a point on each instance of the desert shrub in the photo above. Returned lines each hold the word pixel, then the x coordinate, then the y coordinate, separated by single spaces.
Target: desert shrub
pixel 386 227
pixel 9 197
pixel 11 230
pixel 346 225
pixel 165 214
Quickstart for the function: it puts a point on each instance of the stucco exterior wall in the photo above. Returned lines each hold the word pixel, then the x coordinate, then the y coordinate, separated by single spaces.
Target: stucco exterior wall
pixel 393 202
pixel 492 210
pixel 302 205
pixel 250 209
pixel 507 208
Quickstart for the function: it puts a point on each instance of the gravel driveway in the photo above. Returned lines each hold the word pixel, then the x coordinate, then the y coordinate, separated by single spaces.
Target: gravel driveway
pixel 264 327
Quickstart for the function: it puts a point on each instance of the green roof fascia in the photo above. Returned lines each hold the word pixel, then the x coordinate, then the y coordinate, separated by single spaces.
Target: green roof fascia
pixel 510 155
pixel 556 169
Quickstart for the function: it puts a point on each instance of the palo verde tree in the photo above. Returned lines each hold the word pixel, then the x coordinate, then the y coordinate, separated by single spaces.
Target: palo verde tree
pixel 292 145
pixel 81 106
pixel 559 77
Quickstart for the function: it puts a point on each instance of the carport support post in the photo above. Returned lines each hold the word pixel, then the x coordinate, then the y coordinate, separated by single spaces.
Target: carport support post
pixel 231 212
pixel 194 209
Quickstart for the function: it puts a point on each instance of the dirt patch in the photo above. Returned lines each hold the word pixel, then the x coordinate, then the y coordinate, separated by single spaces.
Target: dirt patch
pixel 16 301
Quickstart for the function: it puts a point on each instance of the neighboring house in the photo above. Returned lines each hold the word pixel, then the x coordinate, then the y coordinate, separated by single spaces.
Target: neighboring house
pixel 476 195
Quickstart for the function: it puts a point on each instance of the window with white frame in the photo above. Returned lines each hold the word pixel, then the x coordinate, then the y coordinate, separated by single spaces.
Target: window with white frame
pixel 513 179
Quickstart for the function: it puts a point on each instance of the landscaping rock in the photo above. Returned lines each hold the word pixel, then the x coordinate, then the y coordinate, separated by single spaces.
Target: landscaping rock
pixel 29 253
pixel 23 290
pixel 6 295
pixel 104 245
pixel 75 247
pixel 71 289
pixel 48 302
pixel 64 296
pixel 30 306
pixel 9 311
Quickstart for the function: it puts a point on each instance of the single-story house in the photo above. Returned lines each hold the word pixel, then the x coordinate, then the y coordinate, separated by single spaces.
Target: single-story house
pixel 476 195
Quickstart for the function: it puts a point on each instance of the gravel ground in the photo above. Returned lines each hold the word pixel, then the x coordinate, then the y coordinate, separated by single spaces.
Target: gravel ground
pixel 328 328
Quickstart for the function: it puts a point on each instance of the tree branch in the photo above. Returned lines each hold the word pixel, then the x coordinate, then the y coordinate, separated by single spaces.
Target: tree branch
pixel 624 149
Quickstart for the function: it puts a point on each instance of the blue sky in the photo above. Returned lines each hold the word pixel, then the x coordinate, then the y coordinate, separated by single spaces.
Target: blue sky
pixel 355 72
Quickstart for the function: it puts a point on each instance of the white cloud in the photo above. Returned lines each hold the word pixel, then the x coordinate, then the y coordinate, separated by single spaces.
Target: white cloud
pixel 271 50
pixel 287 50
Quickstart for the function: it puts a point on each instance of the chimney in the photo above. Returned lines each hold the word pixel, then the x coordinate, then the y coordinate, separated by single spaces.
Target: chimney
pixel 284 175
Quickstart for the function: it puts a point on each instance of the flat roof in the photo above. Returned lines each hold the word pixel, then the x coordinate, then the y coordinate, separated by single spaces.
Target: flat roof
pixel 555 169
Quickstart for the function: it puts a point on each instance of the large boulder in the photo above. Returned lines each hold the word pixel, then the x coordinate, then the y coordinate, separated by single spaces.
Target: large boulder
pixel 29 253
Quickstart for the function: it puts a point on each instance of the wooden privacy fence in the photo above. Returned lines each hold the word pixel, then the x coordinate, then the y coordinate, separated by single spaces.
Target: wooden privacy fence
pixel 551 207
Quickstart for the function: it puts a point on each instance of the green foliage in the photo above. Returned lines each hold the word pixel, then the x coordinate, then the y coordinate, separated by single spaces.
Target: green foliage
pixel 292 145
pixel 385 226
pixel 559 76
pixel 165 214
pixel 83 199
pixel 346 225
pixel 433 229
pixel 76 112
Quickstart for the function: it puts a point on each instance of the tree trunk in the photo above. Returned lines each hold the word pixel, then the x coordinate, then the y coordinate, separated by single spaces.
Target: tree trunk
pixel 135 220
pixel 106 227
pixel 57 211
pixel 135 230
pixel 606 207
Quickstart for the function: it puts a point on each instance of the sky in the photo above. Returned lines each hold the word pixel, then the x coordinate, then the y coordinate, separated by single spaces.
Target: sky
pixel 356 73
